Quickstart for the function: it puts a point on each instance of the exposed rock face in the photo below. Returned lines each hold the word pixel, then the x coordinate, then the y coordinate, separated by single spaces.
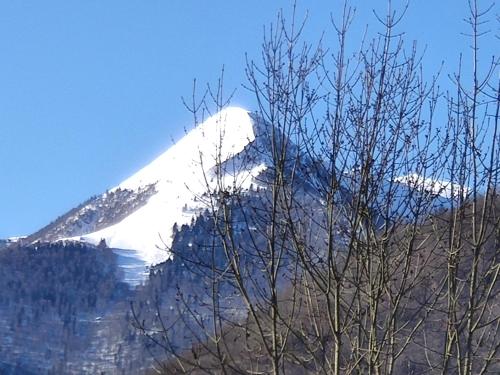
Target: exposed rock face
pixel 96 213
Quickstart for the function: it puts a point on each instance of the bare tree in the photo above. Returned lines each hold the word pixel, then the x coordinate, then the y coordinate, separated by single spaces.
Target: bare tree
pixel 349 254
pixel 471 240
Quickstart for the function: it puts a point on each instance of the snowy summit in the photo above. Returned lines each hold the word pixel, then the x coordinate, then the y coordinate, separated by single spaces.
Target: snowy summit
pixel 180 175
pixel 140 213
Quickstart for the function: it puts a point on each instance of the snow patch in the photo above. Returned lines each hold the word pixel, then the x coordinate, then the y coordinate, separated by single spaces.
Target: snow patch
pixel 15 239
pixel 445 189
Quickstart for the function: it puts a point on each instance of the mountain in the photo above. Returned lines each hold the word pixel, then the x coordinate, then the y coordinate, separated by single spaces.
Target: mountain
pixel 140 212
pixel 64 307
pixel 67 278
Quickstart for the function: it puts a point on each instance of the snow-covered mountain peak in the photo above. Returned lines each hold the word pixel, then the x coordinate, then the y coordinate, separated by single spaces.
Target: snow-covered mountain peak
pixel 180 176
pixel 229 150
pixel 214 141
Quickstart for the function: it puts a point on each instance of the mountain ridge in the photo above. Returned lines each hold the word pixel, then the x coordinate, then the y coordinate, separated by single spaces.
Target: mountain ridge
pixel 165 192
pixel 229 150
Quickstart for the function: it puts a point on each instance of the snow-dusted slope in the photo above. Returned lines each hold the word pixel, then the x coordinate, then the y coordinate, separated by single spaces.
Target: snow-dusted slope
pixel 182 175
pixel 442 188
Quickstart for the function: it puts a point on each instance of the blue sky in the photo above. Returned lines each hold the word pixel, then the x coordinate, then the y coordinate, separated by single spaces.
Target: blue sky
pixel 90 90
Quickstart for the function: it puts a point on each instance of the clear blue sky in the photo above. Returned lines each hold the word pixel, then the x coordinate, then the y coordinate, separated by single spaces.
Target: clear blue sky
pixel 90 90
